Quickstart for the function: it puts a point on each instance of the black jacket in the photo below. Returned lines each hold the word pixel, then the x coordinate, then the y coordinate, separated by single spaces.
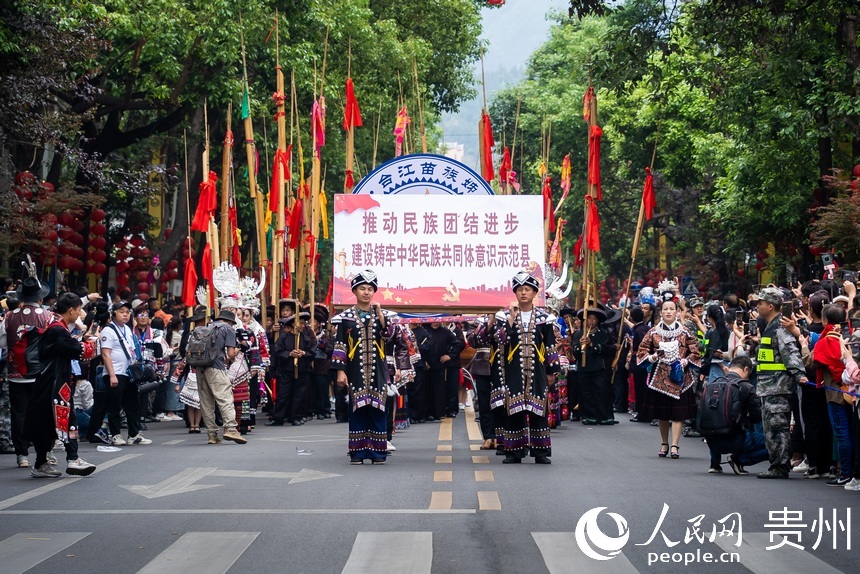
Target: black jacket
pixel 442 342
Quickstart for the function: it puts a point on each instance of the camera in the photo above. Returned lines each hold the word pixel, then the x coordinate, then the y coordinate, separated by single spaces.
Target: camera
pixel 826 259
pixel 849 276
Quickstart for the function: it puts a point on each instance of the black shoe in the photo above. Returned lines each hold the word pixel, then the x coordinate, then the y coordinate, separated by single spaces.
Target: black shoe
pixel 143 426
pixel 512 459
pixel 432 420
pixel 608 422
pixel 275 424
pixel 736 467
pixel 500 451
pixel 297 423
pixel 326 415
pixel 542 460
pixel 635 419
pixel 589 421
pixel 838 481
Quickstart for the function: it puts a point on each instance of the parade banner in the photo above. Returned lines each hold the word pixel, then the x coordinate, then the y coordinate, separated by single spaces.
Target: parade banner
pixel 432 251
pixel 423 174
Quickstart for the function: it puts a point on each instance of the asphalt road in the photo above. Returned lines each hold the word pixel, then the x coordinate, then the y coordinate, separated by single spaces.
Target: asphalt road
pixel 439 505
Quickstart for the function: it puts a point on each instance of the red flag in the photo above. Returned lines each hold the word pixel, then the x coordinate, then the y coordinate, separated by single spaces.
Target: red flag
pixel 286 285
pixel 296 224
pixel 649 200
pixel 592 231
pixel 318 123
pixel 351 113
pixel 279 170
pixel 505 167
pixel 237 256
pixel 578 257
pixel 547 203
pixel 206 203
pixel 329 293
pixel 349 182
pixel 189 284
pixel 594 159
pixel 487 169
pixel 206 263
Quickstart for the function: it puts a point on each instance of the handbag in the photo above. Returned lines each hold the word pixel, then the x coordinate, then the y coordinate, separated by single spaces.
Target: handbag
pixel 102 383
pixel 143 375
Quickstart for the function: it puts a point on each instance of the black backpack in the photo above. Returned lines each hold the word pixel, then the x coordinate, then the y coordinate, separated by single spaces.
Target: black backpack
pixel 201 350
pixel 720 408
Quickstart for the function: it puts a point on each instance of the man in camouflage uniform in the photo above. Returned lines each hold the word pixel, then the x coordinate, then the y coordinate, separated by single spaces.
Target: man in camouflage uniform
pixel 780 369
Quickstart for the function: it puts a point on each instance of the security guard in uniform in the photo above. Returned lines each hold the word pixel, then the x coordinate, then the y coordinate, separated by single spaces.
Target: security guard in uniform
pixel 780 369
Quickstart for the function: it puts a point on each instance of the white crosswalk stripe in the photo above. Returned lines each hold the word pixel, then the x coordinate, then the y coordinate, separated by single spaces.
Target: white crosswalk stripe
pixel 754 556
pixel 391 553
pixel 561 554
pixel 25 550
pixel 210 552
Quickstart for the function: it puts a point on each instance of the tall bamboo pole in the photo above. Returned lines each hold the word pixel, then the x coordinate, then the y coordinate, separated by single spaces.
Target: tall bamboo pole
pixel 252 179
pixel 589 265
pixel 278 258
pixel 226 166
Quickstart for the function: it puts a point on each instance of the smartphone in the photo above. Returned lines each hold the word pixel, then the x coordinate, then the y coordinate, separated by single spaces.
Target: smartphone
pixel 752 328
pixel 855 323
pixel 787 310
pixel 746 328
pixel 846 331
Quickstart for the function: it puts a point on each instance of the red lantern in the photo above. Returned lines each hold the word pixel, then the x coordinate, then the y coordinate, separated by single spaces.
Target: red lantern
pixel 857 170
pixel 137 241
pixel 99 268
pixel 50 219
pixel 98 242
pixel 66 219
pixel 122 255
pixel 65 232
pixel 98 229
pixel 77 265
pixel 143 287
pixel 855 184
pixel 163 288
pixel 76 238
pixel 25 178
pixel 173 264
pixel 51 235
pixel 77 224
pixel 143 276
pixel 122 279
pixel 98 255
pixel 145 252
pixel 97 214
pixel 121 266
pixel 142 296
pixel 65 262
pixel 759 265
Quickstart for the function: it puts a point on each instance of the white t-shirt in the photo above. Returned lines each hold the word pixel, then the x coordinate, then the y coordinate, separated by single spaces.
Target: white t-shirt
pixel 112 342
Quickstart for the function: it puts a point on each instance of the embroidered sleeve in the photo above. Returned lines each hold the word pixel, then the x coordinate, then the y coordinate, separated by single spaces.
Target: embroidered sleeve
pixel 551 354
pixel 692 345
pixel 339 354
pixel 645 349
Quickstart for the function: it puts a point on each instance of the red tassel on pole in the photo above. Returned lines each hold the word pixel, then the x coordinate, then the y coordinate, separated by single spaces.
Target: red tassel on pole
pixel 578 257
pixel 296 224
pixel 649 200
pixel 592 232
pixel 547 203
pixel 351 113
pixel 594 159
pixel 281 169
pixel 487 170
pixel 205 204
pixel 189 284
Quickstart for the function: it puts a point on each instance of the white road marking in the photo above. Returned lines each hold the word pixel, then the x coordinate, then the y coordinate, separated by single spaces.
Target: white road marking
pixel 60 482
pixel 210 552
pixel 562 555
pixel 179 483
pixel 25 550
pixel 755 558
pixel 391 553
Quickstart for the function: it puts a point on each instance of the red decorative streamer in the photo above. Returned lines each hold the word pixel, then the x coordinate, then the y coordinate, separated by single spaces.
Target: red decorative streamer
pixel 592 231
pixel 649 200
pixel 189 284
pixel 487 169
pixel 351 113
pixel 206 204
pixel 594 159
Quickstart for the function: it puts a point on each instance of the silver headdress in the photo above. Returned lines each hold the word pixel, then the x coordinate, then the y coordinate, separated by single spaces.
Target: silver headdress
pixel 557 292
pixel 235 290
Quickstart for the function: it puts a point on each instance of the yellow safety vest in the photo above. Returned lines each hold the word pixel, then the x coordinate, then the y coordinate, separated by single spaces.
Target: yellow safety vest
pixel 765 357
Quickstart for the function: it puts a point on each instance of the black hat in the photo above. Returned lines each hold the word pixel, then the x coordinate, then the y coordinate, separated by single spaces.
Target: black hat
pixel 291 303
pixel 525 278
pixel 31 290
pixel 366 277
pixel 599 313
pixel 567 312
pixel 320 312
pixel 119 305
pixel 304 315
pixel 199 314
pixel 228 316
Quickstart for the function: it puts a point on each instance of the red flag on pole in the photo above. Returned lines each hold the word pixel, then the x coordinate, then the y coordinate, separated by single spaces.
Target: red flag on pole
pixel 206 203
pixel 505 168
pixel 189 284
pixel 296 224
pixel 547 203
pixel 286 285
pixel 487 170
pixel 649 200
pixel 351 113
pixel 592 231
pixel 281 169
pixel 578 257
pixel 207 269
pixel 594 159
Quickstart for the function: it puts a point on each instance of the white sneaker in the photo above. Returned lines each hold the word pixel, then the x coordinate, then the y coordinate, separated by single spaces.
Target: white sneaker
pixel 117 440
pixel 468 405
pixel 23 461
pixel 175 417
pixel 47 470
pixel 51 458
pixel 163 417
pixel 802 467
pixel 139 439
pixel 389 446
pixel 853 485
pixel 80 467
pixel 462 406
